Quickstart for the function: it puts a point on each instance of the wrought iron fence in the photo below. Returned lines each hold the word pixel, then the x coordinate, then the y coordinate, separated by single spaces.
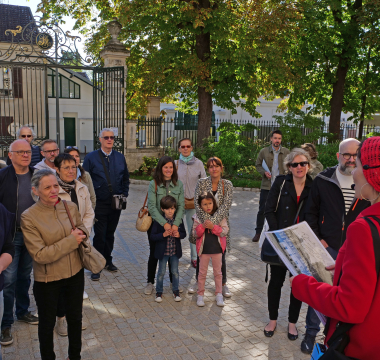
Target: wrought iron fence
pixel 167 132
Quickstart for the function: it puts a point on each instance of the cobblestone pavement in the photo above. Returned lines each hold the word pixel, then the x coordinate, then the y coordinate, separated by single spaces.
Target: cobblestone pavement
pixel 123 323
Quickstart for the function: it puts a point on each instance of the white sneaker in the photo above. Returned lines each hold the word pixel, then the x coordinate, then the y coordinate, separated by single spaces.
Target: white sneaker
pixel 148 289
pixel 85 295
pixel 192 289
pixel 177 297
pixel 158 298
pixel 61 326
pixel 200 301
pixel 219 299
pixel 180 287
pixel 225 291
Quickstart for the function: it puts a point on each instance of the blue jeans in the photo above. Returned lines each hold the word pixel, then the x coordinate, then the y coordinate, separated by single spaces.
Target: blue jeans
pixel 17 282
pixel 161 272
pixel 189 222
pixel 312 322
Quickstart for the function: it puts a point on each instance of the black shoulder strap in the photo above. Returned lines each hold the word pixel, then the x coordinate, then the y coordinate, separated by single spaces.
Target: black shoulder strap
pixel 298 212
pixel 375 239
pixel 105 171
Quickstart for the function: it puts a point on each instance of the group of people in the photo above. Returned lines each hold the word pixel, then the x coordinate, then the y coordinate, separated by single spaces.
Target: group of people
pixel 50 203
pixel 336 203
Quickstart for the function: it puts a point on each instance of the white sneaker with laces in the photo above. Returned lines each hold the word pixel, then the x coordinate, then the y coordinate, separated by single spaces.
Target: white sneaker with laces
pixel 192 289
pixel 219 299
pixel 148 289
pixel 158 298
pixel 200 301
pixel 225 291
pixel 61 326
pixel 85 295
pixel 177 298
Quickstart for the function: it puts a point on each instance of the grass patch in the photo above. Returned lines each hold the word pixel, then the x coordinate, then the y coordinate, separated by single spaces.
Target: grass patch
pixel 140 177
pixel 247 183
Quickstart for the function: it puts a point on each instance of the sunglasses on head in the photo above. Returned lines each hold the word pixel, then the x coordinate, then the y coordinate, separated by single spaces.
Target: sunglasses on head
pixel 24 136
pixel 186 146
pixel 108 137
pixel 302 163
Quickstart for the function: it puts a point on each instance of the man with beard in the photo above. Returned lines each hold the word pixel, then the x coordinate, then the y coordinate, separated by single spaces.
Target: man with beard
pixel 49 150
pixel 330 209
pixel 273 156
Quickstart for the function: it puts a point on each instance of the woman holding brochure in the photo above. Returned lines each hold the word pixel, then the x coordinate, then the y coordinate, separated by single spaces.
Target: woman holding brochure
pixel 284 207
pixel 353 301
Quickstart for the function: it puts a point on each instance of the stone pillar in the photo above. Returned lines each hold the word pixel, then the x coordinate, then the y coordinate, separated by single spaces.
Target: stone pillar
pixel 153 107
pixel 115 54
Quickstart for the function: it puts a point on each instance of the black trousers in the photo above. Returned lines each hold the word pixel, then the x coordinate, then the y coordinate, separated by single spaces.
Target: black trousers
pixel 47 297
pixel 152 262
pixel 104 228
pixel 260 215
pixel 224 269
pixel 277 278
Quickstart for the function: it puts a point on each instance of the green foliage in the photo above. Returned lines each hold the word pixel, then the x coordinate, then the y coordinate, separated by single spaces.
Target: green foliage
pixel 148 165
pixel 169 150
pixel 298 128
pixel 327 154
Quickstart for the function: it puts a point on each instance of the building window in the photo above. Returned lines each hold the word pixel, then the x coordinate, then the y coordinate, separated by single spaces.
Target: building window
pixel 68 89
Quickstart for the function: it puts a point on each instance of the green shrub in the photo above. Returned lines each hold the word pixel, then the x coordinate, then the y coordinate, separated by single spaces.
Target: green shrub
pixel 169 150
pixel 327 154
pixel 148 165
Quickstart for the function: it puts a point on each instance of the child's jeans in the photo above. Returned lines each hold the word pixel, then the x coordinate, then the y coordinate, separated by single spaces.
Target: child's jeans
pixel 204 260
pixel 161 272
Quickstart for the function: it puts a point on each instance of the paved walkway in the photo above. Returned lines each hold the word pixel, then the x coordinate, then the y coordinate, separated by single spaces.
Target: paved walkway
pixel 126 324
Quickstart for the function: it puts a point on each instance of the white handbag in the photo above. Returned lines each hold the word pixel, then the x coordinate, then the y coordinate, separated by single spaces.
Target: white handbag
pixel 266 226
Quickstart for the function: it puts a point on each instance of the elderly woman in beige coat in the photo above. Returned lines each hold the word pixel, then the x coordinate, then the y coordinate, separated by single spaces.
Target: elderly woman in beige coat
pixel 53 246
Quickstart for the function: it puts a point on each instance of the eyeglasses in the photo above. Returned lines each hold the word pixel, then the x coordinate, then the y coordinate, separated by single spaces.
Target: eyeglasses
pixel 50 151
pixel 72 147
pixel 186 146
pixel 347 156
pixel 22 152
pixel 108 137
pixel 68 168
pixel 24 136
pixel 302 163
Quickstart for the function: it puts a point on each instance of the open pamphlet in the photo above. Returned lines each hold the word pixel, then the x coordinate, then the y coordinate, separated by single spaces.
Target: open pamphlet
pixel 302 253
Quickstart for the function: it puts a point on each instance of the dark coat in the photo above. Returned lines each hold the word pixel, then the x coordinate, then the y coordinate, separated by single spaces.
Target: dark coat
pixel 7 220
pixel 287 206
pixel 36 156
pixel 8 189
pixel 156 235
pixel 325 209
pixel 118 173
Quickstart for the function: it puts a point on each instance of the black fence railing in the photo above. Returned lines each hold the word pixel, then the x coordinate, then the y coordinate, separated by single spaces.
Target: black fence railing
pixel 167 132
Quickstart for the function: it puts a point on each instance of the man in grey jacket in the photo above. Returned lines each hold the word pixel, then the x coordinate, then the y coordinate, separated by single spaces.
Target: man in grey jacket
pixel 49 150
pixel 273 156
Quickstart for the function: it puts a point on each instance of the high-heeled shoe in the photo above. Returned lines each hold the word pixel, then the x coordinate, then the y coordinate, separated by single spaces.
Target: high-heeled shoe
pixel 270 333
pixel 292 337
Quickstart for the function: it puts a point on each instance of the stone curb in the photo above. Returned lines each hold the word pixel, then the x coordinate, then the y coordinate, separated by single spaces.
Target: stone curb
pixel 146 182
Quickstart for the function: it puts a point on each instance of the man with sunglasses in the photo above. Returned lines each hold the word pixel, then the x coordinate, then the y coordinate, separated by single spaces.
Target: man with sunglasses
pixel 330 209
pixel 15 195
pixel 109 172
pixel 27 133
pixel 49 150
pixel 273 156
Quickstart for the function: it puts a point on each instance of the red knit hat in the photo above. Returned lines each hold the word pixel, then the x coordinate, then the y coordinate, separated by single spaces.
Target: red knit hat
pixel 370 155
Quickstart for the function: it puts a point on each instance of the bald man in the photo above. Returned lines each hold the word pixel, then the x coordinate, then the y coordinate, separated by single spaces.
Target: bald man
pixel 15 195
pixel 330 209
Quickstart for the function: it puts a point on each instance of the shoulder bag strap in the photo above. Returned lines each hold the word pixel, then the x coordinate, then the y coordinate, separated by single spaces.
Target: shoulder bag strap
pixel 105 171
pixel 69 214
pixel 177 163
pixel 298 212
pixel 279 195
pixel 223 186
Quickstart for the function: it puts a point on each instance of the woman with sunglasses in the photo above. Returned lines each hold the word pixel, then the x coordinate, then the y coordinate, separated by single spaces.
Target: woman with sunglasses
pixel 290 192
pixel 190 170
pixel 82 175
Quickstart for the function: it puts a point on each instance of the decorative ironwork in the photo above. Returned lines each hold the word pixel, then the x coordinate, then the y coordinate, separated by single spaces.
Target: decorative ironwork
pixel 40 42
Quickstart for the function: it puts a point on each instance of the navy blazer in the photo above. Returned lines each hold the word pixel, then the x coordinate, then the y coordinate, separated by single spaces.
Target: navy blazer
pixel 156 235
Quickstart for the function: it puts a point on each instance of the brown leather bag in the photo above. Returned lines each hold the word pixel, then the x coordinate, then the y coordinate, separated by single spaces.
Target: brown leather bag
pixel 144 220
pixel 189 203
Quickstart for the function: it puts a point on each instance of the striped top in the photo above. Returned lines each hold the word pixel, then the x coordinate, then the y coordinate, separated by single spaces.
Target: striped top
pixel 345 182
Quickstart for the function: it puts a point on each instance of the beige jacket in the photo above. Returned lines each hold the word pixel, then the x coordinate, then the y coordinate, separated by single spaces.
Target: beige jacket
pixel 47 236
pixel 86 180
pixel 85 207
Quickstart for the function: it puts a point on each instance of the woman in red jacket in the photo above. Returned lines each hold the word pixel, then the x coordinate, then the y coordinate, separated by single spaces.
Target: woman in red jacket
pixel 356 299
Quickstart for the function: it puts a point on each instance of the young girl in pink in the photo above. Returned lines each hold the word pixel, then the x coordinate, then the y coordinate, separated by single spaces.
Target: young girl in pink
pixel 211 244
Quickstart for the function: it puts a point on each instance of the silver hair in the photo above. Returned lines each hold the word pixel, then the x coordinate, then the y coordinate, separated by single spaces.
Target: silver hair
pixel 296 152
pixel 39 175
pixel 11 145
pixel 105 130
pixel 18 132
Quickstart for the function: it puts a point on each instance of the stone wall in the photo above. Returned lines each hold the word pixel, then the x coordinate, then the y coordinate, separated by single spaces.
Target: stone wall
pixel 134 157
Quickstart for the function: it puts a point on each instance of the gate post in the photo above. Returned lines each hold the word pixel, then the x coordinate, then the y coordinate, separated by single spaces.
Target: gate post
pixel 114 54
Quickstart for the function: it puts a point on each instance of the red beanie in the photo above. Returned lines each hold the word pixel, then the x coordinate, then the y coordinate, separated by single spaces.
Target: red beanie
pixel 370 155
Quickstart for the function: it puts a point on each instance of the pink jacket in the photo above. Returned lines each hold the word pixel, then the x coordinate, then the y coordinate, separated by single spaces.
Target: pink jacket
pixel 220 231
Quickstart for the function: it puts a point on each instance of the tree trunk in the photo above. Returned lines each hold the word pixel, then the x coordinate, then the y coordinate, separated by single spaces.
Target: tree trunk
pixel 203 49
pixel 337 101
pixel 364 98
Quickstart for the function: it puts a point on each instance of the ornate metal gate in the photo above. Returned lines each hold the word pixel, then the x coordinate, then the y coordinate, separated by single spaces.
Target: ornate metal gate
pixel 43 76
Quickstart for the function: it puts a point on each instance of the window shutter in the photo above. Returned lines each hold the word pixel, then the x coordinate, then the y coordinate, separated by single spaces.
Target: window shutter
pixel 17 82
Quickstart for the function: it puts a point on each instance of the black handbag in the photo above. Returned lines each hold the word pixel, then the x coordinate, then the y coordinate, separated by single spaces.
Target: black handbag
pixel 340 339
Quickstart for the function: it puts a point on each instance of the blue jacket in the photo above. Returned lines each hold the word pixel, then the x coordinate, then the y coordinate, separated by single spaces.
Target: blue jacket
pixel 118 173
pixel 9 189
pixel 156 235
pixel 6 246
pixel 36 156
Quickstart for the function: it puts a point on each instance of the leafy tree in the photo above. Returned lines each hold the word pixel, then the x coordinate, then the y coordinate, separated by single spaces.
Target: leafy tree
pixel 195 52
